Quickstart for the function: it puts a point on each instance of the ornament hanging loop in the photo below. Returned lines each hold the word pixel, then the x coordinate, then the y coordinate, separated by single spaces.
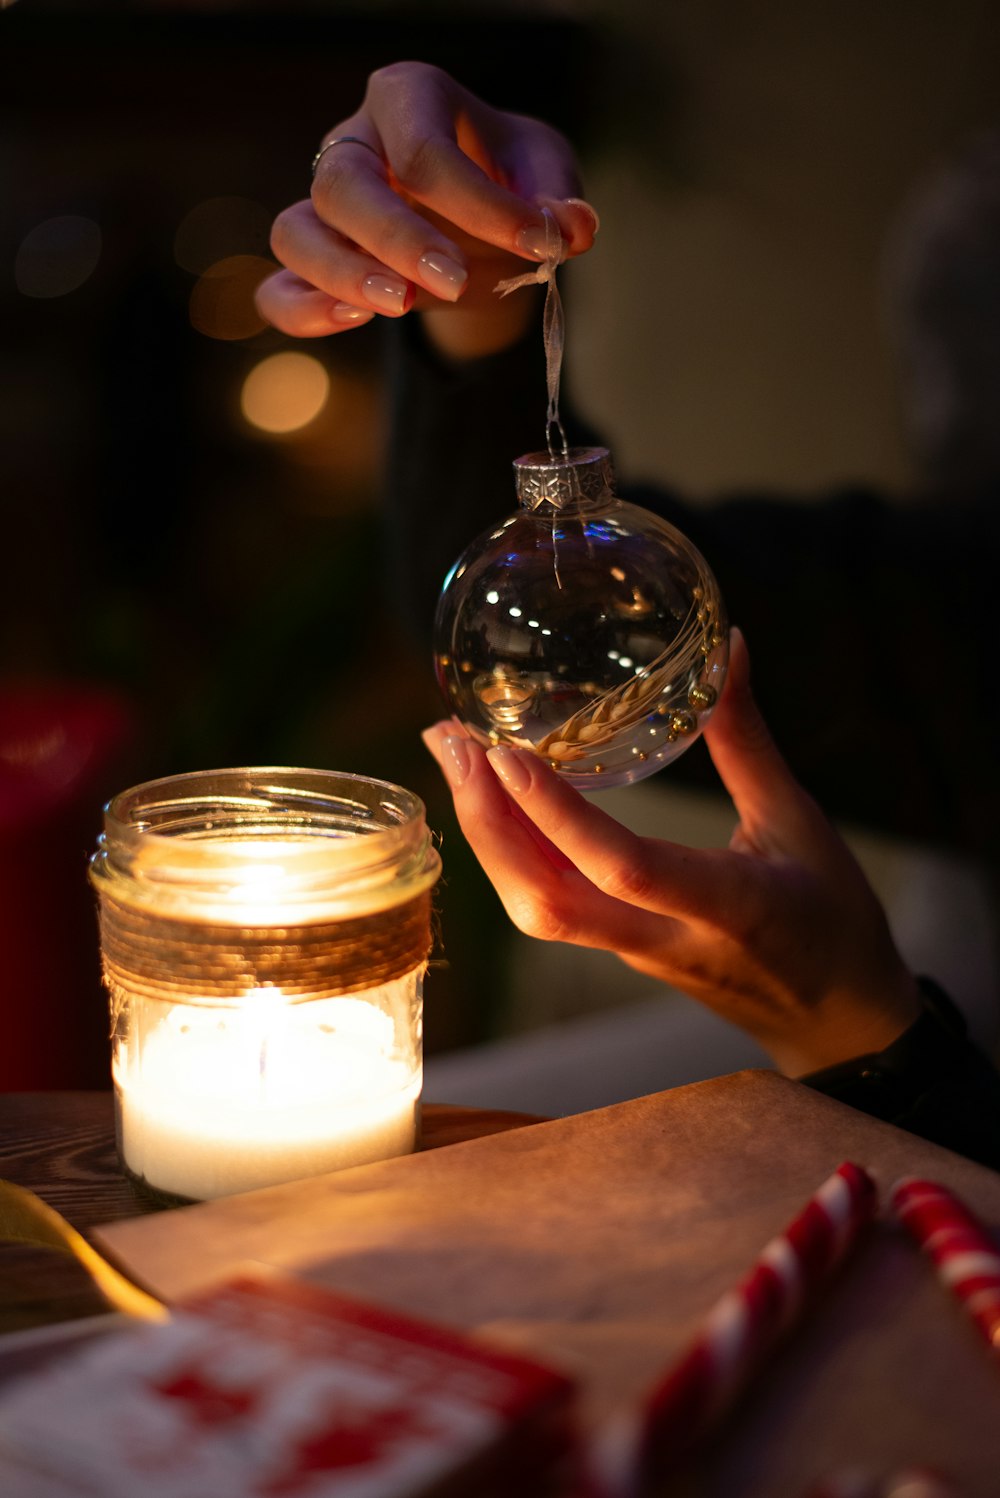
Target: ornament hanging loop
pixel 553 329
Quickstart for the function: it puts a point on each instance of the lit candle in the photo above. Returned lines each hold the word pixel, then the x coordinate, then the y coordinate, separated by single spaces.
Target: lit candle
pixel 264 935
pixel 213 1102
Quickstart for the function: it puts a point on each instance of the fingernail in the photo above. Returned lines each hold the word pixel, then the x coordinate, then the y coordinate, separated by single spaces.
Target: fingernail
pixel 443 276
pixel 454 760
pixel 387 293
pixel 533 240
pixel 451 752
pixel 587 208
pixel 343 312
pixel 510 767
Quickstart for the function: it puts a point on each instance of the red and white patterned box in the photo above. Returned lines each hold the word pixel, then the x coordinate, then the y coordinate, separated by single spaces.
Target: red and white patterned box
pixel 270 1388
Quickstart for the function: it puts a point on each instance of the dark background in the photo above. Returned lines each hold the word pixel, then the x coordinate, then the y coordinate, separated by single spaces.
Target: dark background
pixel 182 591
pixel 161 542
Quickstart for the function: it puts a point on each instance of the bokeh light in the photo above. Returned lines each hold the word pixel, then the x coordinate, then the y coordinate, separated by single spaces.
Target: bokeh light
pixel 57 256
pixel 284 393
pixel 219 228
pixel 222 304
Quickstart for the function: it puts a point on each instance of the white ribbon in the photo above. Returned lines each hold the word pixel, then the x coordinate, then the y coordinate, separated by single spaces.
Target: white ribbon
pixel 553 326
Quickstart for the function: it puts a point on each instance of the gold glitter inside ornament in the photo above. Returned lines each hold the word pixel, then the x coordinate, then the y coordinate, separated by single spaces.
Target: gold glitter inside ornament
pixel 586 628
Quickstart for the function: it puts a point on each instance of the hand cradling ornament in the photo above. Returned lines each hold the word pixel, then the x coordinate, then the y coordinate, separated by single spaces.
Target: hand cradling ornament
pixel 582 627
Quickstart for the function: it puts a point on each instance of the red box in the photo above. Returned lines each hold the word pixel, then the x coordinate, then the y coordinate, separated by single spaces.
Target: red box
pixel 271 1388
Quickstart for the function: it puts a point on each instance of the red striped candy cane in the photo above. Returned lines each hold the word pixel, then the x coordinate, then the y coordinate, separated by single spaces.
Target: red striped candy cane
pixel 742 1327
pixel 965 1256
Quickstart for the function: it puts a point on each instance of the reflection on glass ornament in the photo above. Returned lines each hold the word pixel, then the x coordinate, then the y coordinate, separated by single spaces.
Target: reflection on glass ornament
pixel 582 627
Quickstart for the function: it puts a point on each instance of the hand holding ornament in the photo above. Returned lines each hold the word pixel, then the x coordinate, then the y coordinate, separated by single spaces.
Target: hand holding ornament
pixel 780 933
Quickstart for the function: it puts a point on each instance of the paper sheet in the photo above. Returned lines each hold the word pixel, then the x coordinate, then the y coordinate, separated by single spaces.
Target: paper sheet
pixel 596 1242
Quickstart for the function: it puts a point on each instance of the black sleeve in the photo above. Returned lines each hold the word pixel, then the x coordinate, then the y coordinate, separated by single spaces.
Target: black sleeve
pixel 932 1081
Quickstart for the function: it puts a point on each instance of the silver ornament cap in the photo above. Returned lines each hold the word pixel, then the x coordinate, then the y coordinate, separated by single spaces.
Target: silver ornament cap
pixel 581 475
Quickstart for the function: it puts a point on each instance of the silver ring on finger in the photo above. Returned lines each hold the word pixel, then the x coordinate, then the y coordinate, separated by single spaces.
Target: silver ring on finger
pixel 342 140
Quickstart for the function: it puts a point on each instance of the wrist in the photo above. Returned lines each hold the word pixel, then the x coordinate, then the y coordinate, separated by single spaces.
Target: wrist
pixel 888 1083
pixel 848 1024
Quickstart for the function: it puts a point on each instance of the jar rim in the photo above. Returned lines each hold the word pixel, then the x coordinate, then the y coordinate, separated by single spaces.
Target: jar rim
pixel 342 840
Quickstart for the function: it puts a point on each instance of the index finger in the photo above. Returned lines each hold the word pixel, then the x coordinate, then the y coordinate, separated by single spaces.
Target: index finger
pixel 649 874
pixel 542 892
pixel 482 168
pixel 434 144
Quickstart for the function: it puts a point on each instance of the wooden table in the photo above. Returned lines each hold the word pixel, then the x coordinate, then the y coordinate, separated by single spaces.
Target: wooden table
pixel 61 1145
pixel 594 1243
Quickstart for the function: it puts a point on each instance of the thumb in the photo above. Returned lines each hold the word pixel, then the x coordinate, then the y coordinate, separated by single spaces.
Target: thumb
pixel 763 789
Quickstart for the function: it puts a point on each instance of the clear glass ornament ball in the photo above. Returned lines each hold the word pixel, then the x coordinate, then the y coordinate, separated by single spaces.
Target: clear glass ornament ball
pixel 583 628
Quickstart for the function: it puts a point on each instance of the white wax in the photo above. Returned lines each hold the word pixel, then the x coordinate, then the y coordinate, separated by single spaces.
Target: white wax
pixel 212 1102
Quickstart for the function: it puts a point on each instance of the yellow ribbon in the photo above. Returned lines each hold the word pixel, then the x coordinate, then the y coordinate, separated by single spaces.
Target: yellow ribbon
pixel 25 1218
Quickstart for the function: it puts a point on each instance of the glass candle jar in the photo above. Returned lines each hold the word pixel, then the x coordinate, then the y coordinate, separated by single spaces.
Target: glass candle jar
pixel 264 935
